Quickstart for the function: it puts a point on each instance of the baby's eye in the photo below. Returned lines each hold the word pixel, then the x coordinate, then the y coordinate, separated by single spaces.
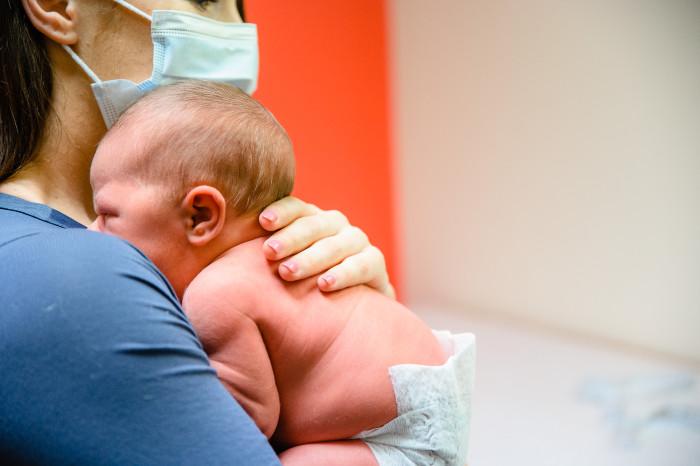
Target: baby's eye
pixel 104 209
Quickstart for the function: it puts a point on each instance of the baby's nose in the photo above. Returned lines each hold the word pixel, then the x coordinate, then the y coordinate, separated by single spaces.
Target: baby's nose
pixel 93 226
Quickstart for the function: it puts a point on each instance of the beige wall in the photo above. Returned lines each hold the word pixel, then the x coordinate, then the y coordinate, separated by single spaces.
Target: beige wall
pixel 549 155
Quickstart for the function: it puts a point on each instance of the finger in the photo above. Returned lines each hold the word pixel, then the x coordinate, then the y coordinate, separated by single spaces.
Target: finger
pixel 324 254
pixel 366 267
pixel 304 232
pixel 281 213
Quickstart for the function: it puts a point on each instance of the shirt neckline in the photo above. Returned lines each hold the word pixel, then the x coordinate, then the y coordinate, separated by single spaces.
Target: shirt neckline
pixel 38 211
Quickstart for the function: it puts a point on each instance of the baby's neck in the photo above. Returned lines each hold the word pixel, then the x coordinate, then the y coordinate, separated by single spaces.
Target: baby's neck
pixel 237 231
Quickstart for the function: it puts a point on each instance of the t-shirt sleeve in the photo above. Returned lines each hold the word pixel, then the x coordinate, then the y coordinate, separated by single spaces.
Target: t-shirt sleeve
pixel 99 365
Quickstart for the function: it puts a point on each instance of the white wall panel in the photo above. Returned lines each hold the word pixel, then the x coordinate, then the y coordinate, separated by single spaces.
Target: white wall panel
pixel 549 161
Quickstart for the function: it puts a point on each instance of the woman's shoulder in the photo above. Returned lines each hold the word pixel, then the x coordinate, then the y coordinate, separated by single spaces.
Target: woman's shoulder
pixel 86 271
pixel 76 244
pixel 76 250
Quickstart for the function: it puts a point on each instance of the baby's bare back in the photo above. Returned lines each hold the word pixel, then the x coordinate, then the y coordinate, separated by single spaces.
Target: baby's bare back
pixel 329 352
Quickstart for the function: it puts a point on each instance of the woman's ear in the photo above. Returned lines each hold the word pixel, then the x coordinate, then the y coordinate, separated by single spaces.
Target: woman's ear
pixel 205 210
pixel 54 18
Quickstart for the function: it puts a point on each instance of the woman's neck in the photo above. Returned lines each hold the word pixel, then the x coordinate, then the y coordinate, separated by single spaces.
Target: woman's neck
pixel 47 182
pixel 59 175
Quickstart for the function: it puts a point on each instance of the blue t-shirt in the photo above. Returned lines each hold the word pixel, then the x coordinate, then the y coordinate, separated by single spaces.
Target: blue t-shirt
pixel 98 363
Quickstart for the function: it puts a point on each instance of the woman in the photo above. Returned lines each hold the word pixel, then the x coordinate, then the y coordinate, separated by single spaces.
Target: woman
pixel 99 364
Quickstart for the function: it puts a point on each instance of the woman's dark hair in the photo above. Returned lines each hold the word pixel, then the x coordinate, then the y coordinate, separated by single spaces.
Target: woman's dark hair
pixel 26 82
pixel 241 11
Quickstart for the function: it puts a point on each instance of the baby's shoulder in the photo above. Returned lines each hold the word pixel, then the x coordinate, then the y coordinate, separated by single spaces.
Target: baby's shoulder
pixel 237 278
pixel 247 255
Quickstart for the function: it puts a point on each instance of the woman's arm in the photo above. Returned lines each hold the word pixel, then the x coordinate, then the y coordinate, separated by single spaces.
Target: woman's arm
pixel 315 240
pixel 99 364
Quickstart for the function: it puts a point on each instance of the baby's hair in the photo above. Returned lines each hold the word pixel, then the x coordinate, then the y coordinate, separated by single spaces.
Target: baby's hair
pixel 197 132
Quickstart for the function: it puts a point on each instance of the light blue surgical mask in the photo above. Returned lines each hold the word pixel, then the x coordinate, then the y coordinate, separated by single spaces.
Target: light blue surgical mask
pixel 185 46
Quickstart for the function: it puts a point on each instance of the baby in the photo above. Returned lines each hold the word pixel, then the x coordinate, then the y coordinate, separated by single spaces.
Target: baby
pixel 345 378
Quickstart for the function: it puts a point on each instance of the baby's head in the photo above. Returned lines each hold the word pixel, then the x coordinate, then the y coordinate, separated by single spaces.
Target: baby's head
pixel 185 172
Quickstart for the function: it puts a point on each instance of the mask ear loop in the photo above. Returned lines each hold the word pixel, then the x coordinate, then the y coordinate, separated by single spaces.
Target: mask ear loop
pixel 133 9
pixel 81 63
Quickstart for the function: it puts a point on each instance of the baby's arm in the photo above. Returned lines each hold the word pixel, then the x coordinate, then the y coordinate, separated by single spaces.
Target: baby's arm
pixel 236 350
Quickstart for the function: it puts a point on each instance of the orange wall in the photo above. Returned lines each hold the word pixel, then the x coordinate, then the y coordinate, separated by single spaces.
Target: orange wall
pixel 323 73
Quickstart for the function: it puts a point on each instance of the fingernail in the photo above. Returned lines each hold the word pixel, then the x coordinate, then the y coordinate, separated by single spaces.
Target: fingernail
pixel 269 216
pixel 274 245
pixel 292 267
pixel 329 280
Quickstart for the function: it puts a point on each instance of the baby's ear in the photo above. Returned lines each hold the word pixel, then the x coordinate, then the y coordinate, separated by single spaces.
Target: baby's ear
pixel 205 211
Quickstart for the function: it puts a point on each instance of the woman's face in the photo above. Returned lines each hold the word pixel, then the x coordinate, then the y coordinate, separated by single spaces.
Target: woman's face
pixel 116 43
pixel 221 10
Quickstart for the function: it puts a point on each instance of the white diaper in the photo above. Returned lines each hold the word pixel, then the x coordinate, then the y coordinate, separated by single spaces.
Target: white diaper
pixel 434 409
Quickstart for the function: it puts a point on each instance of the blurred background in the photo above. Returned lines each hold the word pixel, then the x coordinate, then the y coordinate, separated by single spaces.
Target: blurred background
pixel 531 170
